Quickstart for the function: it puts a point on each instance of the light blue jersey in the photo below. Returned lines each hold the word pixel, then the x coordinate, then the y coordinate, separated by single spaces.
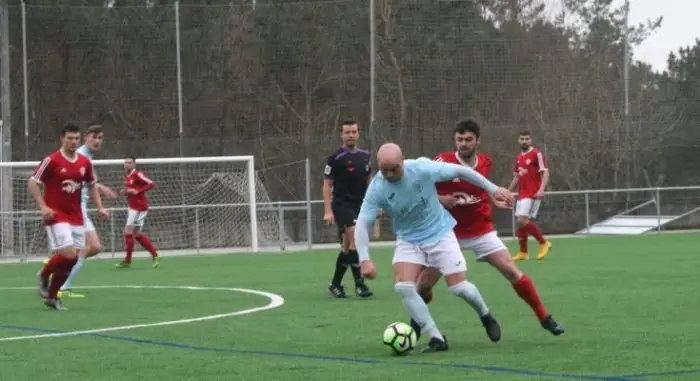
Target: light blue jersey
pixel 85 151
pixel 413 203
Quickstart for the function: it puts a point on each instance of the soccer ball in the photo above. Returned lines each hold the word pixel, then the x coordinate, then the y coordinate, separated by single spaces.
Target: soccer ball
pixel 400 337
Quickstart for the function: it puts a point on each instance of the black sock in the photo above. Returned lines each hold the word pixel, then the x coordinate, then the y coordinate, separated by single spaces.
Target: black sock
pixel 354 263
pixel 340 268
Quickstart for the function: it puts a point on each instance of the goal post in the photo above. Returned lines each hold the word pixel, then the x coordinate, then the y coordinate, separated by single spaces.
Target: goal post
pixel 199 205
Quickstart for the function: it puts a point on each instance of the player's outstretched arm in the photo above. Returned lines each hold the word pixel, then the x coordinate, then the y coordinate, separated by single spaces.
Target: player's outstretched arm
pixel 441 171
pixel 106 191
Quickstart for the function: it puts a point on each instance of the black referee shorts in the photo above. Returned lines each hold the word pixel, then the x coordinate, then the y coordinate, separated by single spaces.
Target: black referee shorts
pixel 345 214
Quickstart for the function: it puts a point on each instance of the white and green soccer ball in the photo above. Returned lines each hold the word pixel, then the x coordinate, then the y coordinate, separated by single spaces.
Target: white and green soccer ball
pixel 400 337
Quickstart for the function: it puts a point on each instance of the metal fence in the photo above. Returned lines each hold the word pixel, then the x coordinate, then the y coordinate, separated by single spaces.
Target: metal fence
pixel 301 225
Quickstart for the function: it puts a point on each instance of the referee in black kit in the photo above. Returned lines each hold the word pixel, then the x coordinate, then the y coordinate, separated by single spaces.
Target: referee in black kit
pixel 346 177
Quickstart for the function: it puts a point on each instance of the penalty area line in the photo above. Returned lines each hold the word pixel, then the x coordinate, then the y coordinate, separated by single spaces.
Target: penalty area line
pixel 275 301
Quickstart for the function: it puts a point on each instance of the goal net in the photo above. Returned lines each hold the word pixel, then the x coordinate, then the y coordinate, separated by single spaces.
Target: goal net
pixel 199 205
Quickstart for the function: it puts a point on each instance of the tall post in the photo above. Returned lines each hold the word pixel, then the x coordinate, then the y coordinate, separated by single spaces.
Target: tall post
pixel 6 208
pixel 309 213
pixel 25 79
pixel 180 122
pixel 371 130
pixel 252 205
pixel 627 128
pixel 372 76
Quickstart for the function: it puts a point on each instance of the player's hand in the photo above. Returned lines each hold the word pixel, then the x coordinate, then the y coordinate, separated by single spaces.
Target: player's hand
pixel 503 194
pixel 449 201
pixel 368 270
pixel 328 218
pixel 539 194
pixel 131 191
pixel 502 204
pixel 47 213
pixel 104 213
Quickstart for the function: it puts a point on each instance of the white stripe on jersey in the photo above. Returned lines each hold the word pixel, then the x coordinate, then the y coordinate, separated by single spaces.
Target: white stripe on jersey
pixel 40 171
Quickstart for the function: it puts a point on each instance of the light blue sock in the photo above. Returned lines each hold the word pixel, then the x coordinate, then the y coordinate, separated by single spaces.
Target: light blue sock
pixel 76 269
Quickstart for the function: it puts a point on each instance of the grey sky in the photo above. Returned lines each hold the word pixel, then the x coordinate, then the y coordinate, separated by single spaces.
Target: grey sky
pixel 678 28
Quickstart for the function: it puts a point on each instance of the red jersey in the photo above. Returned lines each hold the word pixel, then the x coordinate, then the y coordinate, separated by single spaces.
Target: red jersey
pixel 63 180
pixel 138 181
pixel 528 168
pixel 473 214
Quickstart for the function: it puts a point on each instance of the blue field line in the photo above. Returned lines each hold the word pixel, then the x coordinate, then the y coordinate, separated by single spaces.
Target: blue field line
pixel 493 369
pixel 670 373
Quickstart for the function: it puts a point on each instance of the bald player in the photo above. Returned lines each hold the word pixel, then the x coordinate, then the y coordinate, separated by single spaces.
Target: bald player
pixel 405 190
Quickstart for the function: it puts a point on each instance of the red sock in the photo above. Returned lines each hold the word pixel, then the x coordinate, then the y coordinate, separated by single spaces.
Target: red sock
pixel 147 244
pixel 526 291
pixel 522 239
pixel 129 244
pixel 535 231
pixel 60 275
pixel 54 264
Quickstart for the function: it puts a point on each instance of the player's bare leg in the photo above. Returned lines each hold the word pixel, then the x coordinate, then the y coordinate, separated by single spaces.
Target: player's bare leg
pixel 525 288
pixel 353 261
pixel 54 274
pixel 93 246
pixel 405 280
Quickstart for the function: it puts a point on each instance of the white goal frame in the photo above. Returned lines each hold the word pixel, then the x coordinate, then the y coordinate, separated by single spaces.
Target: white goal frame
pixel 6 192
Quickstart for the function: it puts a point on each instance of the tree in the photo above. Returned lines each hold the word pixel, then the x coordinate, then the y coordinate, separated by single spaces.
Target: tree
pixel 680 84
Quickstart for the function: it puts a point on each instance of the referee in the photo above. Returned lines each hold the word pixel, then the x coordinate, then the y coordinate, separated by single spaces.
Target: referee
pixel 346 177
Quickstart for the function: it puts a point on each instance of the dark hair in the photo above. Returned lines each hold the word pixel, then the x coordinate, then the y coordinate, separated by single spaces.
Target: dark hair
pixel 468 125
pixel 69 128
pixel 94 129
pixel 347 122
pixel 524 133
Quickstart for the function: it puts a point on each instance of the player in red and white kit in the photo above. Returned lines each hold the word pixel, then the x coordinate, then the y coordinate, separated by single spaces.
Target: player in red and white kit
pixel 137 184
pixel 62 175
pixel 531 176
pixel 475 230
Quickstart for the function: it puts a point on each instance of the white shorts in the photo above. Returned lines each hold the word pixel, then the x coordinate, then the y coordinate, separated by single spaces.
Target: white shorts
pixel 136 217
pixel 62 235
pixel 483 245
pixel 444 255
pixel 88 226
pixel 527 207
